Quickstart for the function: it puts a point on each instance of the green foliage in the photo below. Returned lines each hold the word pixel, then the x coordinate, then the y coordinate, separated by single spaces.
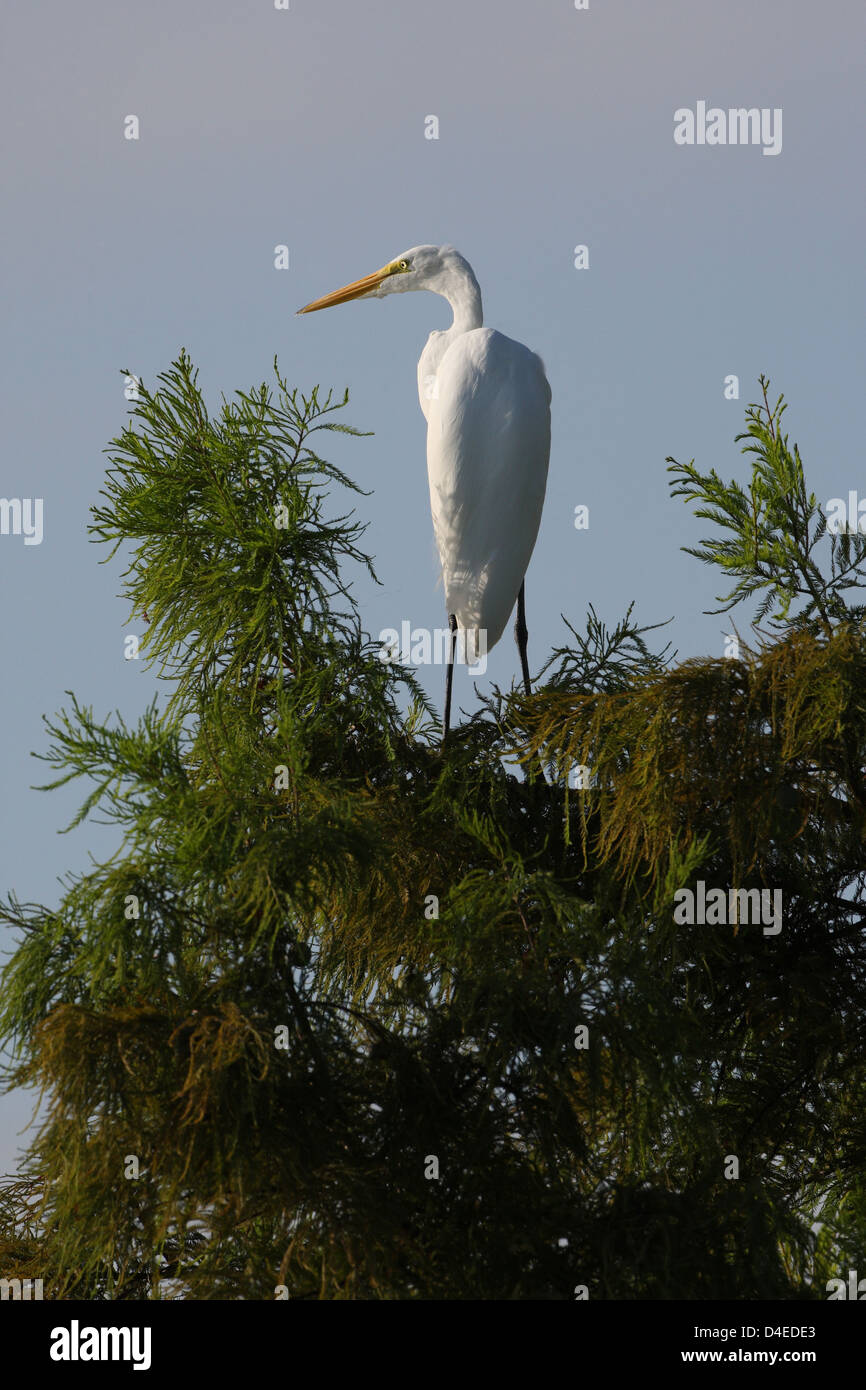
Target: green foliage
pixel 234 565
pixel 604 660
pixel 774 530
pixel 331 950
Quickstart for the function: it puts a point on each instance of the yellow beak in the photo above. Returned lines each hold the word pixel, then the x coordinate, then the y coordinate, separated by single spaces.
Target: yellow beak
pixel 357 287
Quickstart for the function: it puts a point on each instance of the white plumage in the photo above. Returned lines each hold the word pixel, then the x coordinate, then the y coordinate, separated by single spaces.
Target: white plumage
pixel 488 441
pixel 487 404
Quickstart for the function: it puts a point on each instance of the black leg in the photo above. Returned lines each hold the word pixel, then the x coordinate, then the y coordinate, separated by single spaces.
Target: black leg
pixel 449 675
pixel 521 635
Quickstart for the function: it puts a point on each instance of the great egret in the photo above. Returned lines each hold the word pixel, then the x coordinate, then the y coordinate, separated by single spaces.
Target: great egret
pixel 487 404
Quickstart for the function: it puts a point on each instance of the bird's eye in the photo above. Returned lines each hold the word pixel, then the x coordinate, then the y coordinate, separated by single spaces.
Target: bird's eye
pixel 404 265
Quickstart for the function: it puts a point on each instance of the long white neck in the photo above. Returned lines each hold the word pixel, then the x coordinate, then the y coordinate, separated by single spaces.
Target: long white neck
pixel 462 291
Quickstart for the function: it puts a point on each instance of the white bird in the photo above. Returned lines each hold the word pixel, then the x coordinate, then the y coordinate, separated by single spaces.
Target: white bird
pixel 486 400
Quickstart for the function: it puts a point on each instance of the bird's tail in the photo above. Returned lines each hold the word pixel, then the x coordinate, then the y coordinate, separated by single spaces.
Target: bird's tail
pixel 474 644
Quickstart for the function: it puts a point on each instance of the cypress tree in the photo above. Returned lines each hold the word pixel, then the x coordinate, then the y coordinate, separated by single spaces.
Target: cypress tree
pixel 353 1015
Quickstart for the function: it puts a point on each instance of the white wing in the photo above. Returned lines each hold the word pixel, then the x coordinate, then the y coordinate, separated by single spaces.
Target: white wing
pixel 488 445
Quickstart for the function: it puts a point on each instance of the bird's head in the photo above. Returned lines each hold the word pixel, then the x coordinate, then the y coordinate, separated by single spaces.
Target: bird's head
pixel 420 268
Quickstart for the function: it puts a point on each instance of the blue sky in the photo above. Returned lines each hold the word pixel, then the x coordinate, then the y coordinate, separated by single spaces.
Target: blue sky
pixel 306 128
